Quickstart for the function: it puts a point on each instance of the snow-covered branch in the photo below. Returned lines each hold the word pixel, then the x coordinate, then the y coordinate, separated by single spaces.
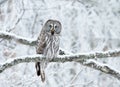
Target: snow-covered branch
pixel 81 58
pixel 102 67
pixel 32 42
pixel 10 36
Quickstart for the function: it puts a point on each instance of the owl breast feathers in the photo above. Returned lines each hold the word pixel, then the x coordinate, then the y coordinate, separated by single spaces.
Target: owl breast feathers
pixel 48 40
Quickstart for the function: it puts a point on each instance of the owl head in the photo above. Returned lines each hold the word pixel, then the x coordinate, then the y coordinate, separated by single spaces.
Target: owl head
pixel 52 27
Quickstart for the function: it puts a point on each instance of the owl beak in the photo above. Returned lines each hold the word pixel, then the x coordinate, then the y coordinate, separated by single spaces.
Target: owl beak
pixel 52 31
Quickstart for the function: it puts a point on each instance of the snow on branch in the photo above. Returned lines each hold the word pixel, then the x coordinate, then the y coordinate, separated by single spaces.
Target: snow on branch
pixel 84 59
pixel 10 36
pixel 81 58
pixel 102 67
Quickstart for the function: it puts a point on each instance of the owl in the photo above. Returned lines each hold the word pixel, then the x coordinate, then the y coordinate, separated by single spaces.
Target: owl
pixel 48 44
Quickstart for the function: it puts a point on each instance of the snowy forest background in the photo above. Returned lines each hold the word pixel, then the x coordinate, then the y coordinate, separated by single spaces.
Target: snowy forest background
pixel 87 26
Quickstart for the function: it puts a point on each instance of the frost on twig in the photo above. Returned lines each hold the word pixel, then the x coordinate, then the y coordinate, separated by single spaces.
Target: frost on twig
pixel 10 36
pixel 102 67
pixel 80 58
pixel 23 59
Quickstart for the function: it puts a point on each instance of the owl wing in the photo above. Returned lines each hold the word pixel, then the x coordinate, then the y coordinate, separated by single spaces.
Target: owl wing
pixel 39 50
pixel 40 44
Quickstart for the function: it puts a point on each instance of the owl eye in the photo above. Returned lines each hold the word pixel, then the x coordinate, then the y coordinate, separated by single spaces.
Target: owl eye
pixel 56 26
pixel 50 26
pixel 57 29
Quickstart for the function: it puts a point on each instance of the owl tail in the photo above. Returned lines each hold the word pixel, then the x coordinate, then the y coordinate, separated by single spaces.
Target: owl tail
pixel 39 71
pixel 37 66
pixel 42 76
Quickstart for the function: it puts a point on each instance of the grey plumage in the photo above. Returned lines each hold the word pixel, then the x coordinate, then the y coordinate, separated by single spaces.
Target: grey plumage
pixel 48 44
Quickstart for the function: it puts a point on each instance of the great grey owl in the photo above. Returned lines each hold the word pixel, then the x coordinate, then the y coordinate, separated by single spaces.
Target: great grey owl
pixel 48 44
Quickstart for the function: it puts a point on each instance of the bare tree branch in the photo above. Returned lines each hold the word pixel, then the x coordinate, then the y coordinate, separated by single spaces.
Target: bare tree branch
pixel 19 18
pixel 81 58
pixel 19 39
